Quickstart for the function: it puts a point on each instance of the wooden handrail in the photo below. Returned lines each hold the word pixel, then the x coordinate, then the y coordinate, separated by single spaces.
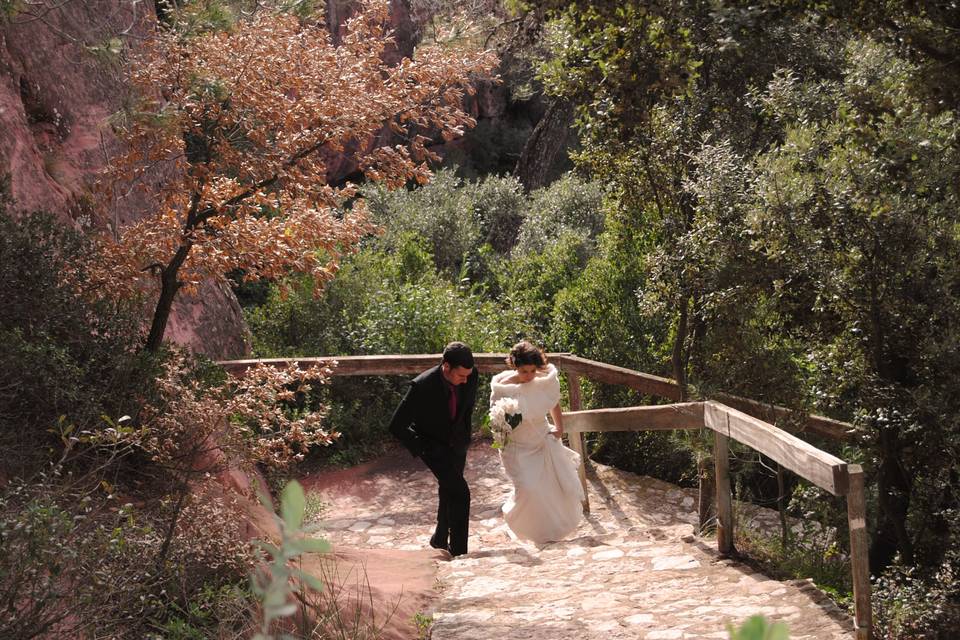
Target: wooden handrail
pixel 820 425
pixel 411 364
pixel 819 467
pixel 386 365
pixel 661 417
pixel 612 374
pixel 670 390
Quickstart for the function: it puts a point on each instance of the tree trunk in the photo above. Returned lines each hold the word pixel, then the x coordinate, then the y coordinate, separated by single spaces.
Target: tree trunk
pixel 894 484
pixel 544 145
pixel 169 286
pixel 893 487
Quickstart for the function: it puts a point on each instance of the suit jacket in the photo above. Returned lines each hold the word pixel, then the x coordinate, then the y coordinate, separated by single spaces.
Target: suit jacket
pixel 422 420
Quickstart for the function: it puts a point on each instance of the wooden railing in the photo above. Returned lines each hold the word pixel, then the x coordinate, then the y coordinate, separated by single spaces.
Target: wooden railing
pixel 732 422
pixel 729 417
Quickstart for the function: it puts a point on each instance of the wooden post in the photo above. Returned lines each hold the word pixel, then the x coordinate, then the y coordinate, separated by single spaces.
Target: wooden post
pixel 721 465
pixel 859 561
pixel 576 439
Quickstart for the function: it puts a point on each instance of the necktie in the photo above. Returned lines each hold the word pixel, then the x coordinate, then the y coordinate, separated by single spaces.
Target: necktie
pixel 452 402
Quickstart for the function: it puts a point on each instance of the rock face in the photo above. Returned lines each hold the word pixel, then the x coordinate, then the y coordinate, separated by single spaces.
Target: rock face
pixel 59 85
pixel 55 98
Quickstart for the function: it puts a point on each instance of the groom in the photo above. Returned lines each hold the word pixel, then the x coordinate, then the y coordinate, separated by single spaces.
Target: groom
pixel 433 422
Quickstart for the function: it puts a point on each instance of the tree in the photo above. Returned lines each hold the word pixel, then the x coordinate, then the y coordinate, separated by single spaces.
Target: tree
pixel 235 130
pixel 859 203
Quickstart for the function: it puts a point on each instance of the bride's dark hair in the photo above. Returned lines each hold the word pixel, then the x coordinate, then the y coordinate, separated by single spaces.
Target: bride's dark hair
pixel 526 353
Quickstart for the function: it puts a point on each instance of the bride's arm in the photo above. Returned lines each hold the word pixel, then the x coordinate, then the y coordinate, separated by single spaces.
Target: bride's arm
pixel 557 414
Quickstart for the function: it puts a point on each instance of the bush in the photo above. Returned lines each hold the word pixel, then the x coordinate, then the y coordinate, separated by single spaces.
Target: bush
pixel 910 603
pixel 438 212
pixel 568 205
pixel 531 281
pixel 77 563
pixel 499 205
pixel 63 354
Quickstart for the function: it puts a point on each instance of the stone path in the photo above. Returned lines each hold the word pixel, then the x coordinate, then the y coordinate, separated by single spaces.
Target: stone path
pixel 633 569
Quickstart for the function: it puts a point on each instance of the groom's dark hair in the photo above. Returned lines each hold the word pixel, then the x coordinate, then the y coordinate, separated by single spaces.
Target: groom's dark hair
pixel 457 354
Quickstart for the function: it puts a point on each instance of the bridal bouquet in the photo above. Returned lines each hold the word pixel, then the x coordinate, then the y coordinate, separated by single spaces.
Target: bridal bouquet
pixel 505 416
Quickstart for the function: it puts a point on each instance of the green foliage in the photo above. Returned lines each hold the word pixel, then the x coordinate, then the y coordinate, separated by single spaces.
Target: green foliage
pixel 909 602
pixel 212 610
pixel 33 562
pixel 759 628
pixel 810 552
pixel 63 355
pixel 597 315
pixel 424 623
pixel 437 213
pixel 569 205
pixel 299 604
pixel 860 207
pixel 786 212
pixel 77 560
pixel 274 584
pixel 530 282
pixel 200 16
pixel 9 9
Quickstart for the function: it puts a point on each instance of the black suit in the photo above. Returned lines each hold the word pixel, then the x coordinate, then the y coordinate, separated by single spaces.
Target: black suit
pixel 423 424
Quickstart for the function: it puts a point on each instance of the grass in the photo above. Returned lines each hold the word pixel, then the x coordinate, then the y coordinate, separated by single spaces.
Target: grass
pixel 806 555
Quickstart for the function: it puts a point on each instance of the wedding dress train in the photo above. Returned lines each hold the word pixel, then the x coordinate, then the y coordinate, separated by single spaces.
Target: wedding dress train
pixel 545 504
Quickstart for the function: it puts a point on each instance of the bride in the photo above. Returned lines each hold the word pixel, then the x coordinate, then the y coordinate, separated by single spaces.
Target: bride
pixel 545 504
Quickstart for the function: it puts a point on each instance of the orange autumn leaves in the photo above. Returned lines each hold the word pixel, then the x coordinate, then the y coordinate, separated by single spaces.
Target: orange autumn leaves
pixel 234 133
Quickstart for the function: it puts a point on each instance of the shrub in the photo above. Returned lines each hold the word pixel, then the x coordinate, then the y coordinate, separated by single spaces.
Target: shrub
pixel 63 355
pixel 910 603
pixel 758 628
pixel 531 281
pixel 568 205
pixel 436 212
pixel 499 205
pixel 78 563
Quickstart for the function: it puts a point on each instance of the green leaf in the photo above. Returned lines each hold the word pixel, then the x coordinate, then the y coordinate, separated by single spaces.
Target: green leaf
pixel 293 505
pixel 269 548
pixel 758 628
pixel 311 581
pixel 310 545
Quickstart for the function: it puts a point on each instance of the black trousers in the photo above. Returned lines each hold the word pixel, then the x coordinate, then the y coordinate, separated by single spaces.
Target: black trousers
pixel 453 508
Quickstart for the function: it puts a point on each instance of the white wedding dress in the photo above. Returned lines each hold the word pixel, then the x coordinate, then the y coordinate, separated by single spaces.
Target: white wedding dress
pixel 545 504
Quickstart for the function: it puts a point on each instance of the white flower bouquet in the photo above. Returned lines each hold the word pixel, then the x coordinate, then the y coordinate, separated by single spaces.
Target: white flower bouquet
pixel 505 416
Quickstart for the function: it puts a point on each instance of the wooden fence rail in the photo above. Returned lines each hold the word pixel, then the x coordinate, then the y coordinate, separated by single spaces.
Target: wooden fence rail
pixel 734 418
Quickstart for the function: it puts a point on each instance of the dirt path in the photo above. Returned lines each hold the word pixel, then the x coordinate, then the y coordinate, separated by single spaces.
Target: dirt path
pixel 632 570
